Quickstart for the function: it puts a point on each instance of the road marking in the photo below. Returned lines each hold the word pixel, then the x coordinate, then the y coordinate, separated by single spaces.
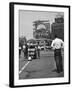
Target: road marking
pixel 24 67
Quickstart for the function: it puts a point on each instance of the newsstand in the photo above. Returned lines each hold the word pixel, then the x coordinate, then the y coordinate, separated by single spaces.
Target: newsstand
pixel 32 51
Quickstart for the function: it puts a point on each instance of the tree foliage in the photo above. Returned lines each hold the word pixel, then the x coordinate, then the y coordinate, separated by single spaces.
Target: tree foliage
pixel 22 40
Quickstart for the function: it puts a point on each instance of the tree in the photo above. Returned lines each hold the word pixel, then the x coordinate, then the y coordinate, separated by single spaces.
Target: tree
pixel 22 40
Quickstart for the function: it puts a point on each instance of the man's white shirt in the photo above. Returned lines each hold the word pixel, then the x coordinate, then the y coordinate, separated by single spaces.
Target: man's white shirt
pixel 23 46
pixel 39 47
pixel 19 47
pixel 57 43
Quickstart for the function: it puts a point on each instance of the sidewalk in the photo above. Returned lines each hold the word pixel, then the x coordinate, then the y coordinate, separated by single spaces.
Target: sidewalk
pixel 48 53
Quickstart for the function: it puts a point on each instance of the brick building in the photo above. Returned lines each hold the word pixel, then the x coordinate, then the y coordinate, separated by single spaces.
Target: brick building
pixel 58 28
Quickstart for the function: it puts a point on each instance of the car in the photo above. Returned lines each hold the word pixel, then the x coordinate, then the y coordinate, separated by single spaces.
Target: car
pixel 42 47
pixel 48 47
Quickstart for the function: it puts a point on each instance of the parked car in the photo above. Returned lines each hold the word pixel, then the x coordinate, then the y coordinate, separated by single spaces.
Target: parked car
pixel 41 47
pixel 48 47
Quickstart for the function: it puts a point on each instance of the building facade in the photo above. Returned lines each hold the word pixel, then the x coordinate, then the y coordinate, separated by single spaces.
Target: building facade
pixel 58 28
pixel 43 31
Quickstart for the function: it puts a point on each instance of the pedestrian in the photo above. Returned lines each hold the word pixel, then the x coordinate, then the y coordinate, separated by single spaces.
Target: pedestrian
pixel 36 52
pixel 38 49
pixel 57 44
pixel 24 50
pixel 20 49
pixel 44 46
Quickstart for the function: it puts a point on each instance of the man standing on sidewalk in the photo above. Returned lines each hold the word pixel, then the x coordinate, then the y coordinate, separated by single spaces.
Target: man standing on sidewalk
pixel 38 50
pixel 20 48
pixel 57 44
pixel 24 50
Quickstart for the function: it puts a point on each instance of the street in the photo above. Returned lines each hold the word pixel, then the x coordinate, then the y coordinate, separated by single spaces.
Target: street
pixel 39 68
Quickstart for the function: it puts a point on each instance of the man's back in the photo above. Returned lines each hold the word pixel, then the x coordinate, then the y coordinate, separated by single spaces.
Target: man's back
pixel 57 43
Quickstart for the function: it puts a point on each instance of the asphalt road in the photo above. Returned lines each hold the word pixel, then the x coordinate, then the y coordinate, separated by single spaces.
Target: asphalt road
pixel 38 68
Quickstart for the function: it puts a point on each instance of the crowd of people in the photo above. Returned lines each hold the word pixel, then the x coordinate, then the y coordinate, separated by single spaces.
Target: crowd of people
pixel 25 49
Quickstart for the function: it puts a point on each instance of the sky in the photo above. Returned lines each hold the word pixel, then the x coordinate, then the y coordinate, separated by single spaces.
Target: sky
pixel 26 19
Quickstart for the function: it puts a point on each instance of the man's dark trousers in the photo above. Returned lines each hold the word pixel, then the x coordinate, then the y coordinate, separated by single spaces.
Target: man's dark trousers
pixel 58 60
